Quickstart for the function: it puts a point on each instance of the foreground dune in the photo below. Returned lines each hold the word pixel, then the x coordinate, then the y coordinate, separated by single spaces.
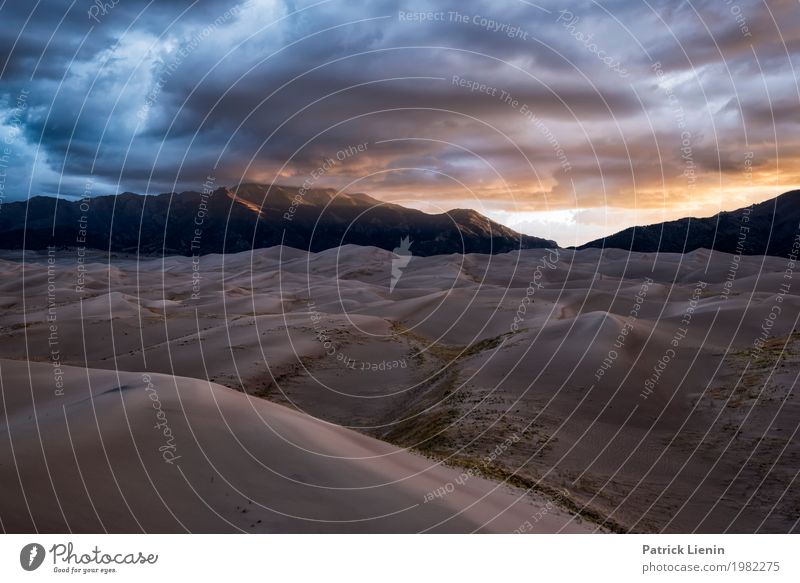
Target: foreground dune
pixel 131 452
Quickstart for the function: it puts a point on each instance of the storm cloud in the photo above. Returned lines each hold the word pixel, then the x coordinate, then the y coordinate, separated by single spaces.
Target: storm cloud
pixel 564 123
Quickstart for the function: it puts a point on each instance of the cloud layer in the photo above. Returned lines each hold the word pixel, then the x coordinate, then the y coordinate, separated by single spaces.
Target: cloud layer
pixel 567 124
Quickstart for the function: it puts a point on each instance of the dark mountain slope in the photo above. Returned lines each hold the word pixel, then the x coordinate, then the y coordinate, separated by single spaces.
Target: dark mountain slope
pixel 251 216
pixel 767 228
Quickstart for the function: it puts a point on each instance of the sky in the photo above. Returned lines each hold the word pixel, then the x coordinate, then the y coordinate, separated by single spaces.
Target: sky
pixel 568 121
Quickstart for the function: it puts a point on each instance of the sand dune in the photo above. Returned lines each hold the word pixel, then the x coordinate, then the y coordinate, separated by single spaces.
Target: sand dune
pixel 130 452
pixel 644 392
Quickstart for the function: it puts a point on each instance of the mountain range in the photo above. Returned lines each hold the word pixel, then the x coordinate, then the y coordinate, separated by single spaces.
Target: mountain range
pixel 767 228
pixel 252 216
pixel 249 216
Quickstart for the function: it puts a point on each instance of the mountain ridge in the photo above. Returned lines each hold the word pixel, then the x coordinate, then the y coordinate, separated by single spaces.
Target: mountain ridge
pixel 766 228
pixel 248 216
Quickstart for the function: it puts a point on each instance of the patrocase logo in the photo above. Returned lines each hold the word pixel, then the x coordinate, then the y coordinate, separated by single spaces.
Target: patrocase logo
pixel 399 263
pixel 31 556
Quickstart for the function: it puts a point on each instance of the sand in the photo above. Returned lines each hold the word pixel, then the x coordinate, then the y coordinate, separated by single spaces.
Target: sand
pixel 634 392
pixel 132 452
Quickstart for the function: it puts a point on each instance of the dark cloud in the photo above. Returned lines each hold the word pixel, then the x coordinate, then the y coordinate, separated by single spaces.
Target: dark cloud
pixel 155 96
